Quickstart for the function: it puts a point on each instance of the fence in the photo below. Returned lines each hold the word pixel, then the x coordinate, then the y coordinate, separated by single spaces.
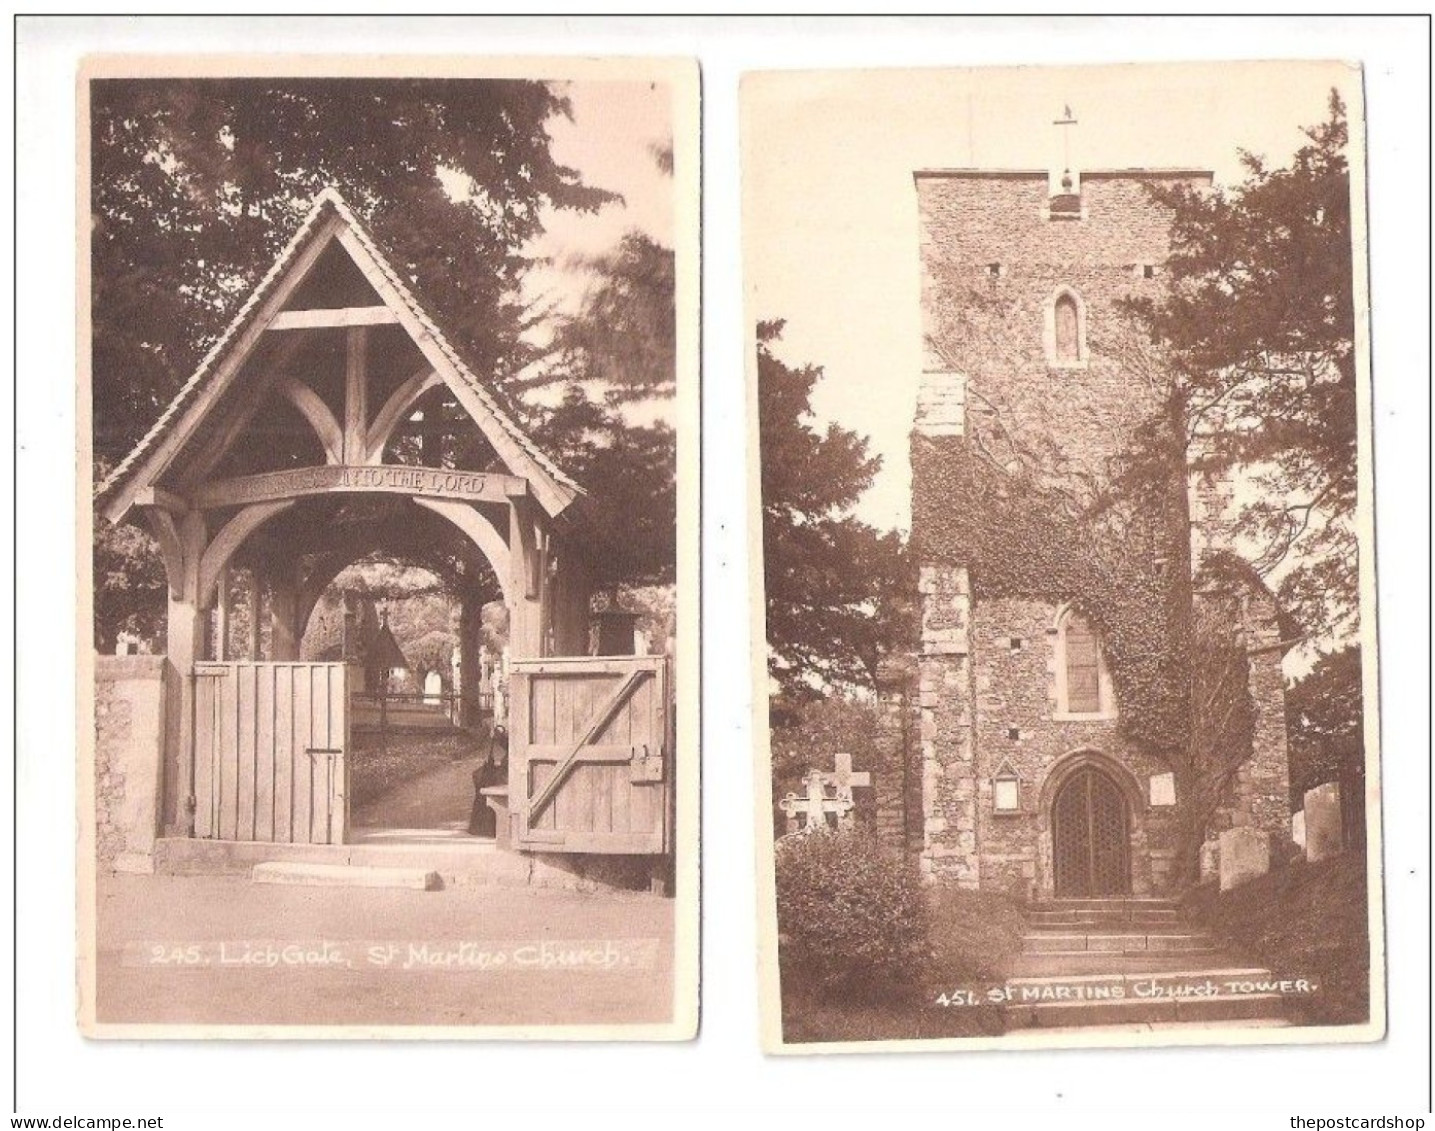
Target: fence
pixel 415 710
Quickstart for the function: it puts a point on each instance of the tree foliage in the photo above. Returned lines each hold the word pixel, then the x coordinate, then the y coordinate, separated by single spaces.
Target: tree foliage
pixel 1258 333
pixel 630 473
pixel 624 336
pixel 129 586
pixel 839 593
pixel 1326 719
pixel 818 729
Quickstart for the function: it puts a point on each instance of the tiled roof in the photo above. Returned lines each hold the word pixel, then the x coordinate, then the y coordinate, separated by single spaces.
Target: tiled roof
pixel 327 201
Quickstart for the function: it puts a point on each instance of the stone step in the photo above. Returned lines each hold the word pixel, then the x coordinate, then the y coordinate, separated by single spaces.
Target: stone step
pixel 344 875
pixel 1211 977
pixel 1117 928
pixel 1146 1011
pixel 1121 903
pixel 1151 918
pixel 459 862
pixel 1109 964
pixel 1178 1026
pixel 1055 942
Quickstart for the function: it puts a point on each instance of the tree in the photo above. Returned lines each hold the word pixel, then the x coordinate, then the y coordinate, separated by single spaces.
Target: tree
pixel 198 183
pixel 839 593
pixel 624 337
pixel 619 348
pixel 129 585
pixel 1326 720
pixel 1258 332
pixel 630 473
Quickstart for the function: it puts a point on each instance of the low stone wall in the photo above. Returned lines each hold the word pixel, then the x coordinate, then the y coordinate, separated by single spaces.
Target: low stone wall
pixel 129 744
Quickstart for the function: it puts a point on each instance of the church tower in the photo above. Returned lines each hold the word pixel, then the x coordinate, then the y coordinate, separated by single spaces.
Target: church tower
pixel 1030 784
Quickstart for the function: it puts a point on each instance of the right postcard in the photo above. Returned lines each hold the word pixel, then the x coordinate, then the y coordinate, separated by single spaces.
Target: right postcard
pixel 1063 391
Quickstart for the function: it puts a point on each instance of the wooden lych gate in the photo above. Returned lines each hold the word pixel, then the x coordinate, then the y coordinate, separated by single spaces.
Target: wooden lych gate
pixel 270 741
pixel 590 747
pixel 332 420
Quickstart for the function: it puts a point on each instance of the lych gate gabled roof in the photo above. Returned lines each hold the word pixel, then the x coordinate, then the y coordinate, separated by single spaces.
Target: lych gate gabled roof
pixel 329 220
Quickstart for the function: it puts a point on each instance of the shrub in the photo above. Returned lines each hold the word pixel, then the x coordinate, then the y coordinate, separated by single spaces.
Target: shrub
pixel 852 916
pixel 973 933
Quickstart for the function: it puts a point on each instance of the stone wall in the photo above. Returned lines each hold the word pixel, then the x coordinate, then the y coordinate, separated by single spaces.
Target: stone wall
pixel 1017 725
pixel 991 265
pixel 949 784
pixel 897 762
pixel 129 751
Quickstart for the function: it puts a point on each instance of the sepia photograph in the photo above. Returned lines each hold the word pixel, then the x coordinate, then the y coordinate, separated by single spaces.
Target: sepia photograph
pixel 388 405
pixel 1066 653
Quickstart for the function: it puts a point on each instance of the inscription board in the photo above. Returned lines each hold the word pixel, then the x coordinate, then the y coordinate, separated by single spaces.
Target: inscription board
pixel 429 481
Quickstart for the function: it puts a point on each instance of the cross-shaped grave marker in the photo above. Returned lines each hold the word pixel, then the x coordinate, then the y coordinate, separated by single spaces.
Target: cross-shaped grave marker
pixel 814 803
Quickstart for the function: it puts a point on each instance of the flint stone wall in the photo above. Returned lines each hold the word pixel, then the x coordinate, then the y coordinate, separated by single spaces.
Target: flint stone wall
pixel 129 751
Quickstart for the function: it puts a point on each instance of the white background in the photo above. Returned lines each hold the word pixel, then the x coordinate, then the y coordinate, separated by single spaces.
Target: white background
pixel 365 1085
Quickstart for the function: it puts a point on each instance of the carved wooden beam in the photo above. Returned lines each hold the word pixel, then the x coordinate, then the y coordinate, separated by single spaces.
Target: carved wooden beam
pixel 240 418
pixel 229 539
pixel 171 548
pixel 312 407
pixel 333 319
pixel 388 479
pixel 399 405
pixel 356 395
pixel 484 535
pixel 161 499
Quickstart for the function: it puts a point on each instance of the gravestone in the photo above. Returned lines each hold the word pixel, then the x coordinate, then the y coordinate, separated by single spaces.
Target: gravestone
pixel 807 812
pixel 1210 860
pixel 825 792
pixel 1324 834
pixel 1245 856
pixel 433 688
pixel 843 780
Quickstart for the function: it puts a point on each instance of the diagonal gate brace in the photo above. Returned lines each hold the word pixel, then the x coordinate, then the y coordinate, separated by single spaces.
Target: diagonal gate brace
pixel 595 724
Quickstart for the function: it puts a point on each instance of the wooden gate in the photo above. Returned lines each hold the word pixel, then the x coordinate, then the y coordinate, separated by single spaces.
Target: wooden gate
pixel 269 752
pixel 591 755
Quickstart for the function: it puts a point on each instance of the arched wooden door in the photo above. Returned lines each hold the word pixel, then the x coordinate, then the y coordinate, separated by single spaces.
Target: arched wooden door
pixel 1091 837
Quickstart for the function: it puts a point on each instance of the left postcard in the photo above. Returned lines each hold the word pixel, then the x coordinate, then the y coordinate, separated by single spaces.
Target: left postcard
pixel 388 529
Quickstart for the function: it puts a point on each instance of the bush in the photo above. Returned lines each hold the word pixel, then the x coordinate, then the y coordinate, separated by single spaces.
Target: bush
pixel 852 916
pixel 973 933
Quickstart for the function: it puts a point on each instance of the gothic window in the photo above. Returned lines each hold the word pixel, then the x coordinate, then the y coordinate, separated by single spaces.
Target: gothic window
pixel 1067 343
pixel 1066 330
pixel 1082 684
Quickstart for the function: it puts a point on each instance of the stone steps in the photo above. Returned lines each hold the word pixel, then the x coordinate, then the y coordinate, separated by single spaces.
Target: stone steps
pixel 1093 917
pixel 1130 964
pixel 1120 903
pixel 1062 942
pixel 458 862
pixel 1111 964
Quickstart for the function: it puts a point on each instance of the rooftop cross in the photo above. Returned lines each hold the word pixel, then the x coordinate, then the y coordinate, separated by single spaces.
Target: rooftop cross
pixel 1067 119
